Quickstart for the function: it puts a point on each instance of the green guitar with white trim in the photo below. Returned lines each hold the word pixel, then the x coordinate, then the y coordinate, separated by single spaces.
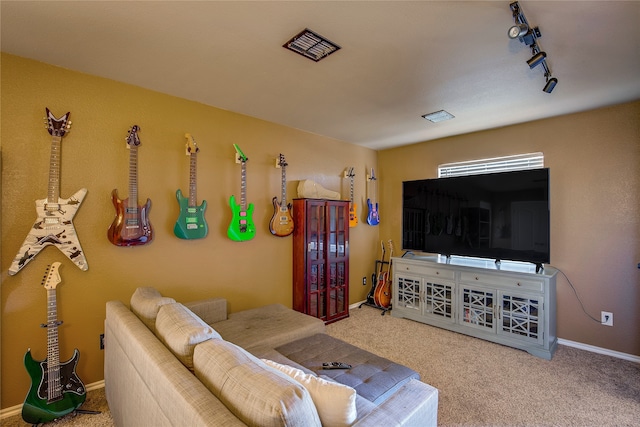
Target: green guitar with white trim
pixel 241 227
pixel 191 223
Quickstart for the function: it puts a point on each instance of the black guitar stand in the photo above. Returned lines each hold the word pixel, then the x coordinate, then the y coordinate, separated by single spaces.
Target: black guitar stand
pixel 370 302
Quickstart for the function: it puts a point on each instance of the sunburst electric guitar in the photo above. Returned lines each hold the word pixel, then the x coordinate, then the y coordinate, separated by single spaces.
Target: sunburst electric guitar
pixel 241 227
pixel 131 225
pixel 353 208
pixel 281 224
pixel 54 225
pixel 382 294
pixel 55 389
pixel 373 217
pixel 191 223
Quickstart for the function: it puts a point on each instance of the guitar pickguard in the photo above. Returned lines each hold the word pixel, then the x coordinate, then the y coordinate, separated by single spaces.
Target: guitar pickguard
pixel 241 227
pixel 54 226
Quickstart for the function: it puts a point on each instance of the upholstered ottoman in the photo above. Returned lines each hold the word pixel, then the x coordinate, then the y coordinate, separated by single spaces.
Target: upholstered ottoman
pixel 373 377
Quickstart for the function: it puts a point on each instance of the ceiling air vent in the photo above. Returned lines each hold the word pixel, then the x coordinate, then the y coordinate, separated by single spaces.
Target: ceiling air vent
pixel 438 116
pixel 311 45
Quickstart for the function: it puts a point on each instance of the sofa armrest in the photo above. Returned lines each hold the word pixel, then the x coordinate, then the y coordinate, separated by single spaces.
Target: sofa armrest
pixel 414 404
pixel 210 310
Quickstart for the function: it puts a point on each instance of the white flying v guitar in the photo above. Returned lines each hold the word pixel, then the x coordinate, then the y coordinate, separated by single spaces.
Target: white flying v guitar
pixel 54 225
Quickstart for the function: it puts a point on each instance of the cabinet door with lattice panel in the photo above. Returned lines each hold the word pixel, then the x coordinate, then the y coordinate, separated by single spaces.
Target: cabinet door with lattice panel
pixel 521 316
pixel 477 308
pixel 439 300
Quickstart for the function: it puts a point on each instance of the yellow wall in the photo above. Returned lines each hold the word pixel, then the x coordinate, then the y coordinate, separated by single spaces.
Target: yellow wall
pixel 595 188
pixel 594 161
pixel 94 156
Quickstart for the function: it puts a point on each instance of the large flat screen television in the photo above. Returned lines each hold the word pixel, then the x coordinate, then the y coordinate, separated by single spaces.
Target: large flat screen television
pixel 501 216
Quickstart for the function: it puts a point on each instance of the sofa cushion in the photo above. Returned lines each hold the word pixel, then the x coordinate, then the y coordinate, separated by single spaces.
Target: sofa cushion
pixel 180 330
pixel 256 394
pixel 335 402
pixel 145 303
pixel 270 325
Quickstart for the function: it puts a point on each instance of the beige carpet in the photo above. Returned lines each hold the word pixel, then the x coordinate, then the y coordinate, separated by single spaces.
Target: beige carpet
pixel 480 383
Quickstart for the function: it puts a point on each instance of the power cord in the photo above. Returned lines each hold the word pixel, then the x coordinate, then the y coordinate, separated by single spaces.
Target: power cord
pixel 577 297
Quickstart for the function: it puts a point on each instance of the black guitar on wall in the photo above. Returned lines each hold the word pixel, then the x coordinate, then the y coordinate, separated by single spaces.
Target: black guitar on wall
pixel 55 389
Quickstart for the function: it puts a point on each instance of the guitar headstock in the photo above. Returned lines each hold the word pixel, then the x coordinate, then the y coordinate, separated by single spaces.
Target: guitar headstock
pixel 390 248
pixel 241 155
pixel 192 147
pixel 132 136
pixel 350 173
pixel 52 276
pixel 57 127
pixel 282 162
pixel 373 175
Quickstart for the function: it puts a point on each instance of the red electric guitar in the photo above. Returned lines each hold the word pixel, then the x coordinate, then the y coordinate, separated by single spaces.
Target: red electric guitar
pixel 131 226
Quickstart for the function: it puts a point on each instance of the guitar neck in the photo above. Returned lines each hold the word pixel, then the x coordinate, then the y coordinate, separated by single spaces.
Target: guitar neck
pixel 54 170
pixel 283 200
pixel 193 200
pixel 133 177
pixel 53 353
pixel 351 189
pixel 243 186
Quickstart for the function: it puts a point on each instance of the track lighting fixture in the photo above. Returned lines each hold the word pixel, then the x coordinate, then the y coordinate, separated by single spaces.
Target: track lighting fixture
pixel 529 36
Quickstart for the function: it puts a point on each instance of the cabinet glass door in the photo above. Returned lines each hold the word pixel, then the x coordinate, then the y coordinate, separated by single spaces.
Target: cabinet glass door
pixel 408 295
pixel 438 300
pixel 477 308
pixel 521 316
pixel 337 228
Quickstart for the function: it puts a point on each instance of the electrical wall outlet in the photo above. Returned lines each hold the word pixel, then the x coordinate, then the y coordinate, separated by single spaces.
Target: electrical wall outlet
pixel 606 318
pixel 364 281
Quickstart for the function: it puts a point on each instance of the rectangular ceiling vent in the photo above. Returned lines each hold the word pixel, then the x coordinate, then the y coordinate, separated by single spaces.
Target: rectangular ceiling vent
pixel 438 116
pixel 311 45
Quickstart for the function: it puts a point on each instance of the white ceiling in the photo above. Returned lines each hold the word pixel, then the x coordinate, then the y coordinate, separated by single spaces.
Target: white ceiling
pixel 399 59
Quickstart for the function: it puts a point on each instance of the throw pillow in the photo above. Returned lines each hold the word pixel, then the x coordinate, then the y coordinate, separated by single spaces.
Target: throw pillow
pixel 335 402
pixel 255 393
pixel 145 303
pixel 180 330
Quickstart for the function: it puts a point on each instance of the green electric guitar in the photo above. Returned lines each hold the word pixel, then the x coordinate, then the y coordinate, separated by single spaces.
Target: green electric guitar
pixel 191 223
pixel 55 389
pixel 242 227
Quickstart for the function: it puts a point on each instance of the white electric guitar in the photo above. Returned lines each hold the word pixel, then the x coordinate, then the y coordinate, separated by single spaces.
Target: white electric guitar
pixel 54 225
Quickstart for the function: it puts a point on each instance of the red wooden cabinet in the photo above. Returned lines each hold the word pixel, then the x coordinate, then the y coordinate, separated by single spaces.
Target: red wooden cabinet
pixel 321 258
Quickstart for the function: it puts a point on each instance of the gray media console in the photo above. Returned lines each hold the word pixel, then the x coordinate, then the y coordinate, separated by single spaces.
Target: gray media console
pixel 509 304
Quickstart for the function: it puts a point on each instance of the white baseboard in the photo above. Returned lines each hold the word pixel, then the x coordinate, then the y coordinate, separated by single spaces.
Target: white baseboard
pixel 599 350
pixel 17 410
pixel 568 343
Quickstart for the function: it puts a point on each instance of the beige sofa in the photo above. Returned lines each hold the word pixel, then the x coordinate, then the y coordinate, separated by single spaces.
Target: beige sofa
pixel 172 364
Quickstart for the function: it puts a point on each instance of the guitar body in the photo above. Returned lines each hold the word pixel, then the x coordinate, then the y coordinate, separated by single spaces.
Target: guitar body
pixel 241 227
pixel 37 408
pixel 130 227
pixel 382 294
pixel 281 224
pixel 54 226
pixel 191 223
pixel 372 217
pixel 353 217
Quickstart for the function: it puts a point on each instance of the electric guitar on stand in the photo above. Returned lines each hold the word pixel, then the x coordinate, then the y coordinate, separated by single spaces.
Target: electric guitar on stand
pixel 55 389
pixel 191 223
pixel 281 224
pixel 131 226
pixel 54 225
pixel 382 294
pixel 241 227
pixel 353 208
pixel 373 218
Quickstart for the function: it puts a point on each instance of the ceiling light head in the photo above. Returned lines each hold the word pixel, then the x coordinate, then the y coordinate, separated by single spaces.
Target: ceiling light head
pixel 518 30
pixel 551 84
pixel 536 59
